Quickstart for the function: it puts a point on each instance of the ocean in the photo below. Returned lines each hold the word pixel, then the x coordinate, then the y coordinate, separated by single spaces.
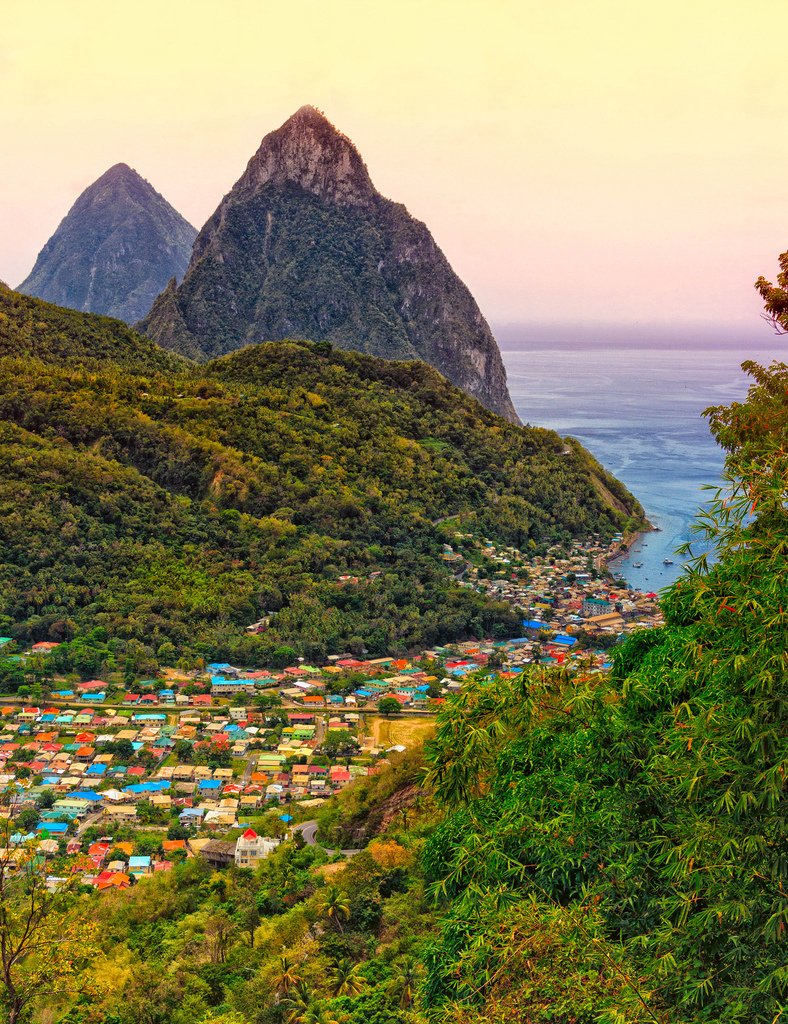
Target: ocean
pixel 638 408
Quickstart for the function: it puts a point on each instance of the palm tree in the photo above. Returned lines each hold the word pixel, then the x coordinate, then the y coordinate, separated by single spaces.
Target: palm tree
pixel 335 905
pixel 346 979
pixel 317 1016
pixel 303 1010
pixel 405 981
pixel 299 998
pixel 287 975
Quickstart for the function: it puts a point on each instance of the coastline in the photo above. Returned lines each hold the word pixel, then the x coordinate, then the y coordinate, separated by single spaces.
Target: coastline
pixel 621 549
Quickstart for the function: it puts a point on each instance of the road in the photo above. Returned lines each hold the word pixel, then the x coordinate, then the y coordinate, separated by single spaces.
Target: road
pixel 308 830
pixel 251 761
pixel 88 820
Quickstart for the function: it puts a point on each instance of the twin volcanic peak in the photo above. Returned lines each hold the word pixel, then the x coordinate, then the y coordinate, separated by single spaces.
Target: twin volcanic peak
pixel 115 250
pixel 305 247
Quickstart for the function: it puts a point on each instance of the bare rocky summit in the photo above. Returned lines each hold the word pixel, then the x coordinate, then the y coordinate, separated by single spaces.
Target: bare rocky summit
pixel 115 250
pixel 305 247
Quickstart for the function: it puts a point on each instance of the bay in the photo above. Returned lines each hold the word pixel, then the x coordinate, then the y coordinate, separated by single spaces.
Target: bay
pixel 638 408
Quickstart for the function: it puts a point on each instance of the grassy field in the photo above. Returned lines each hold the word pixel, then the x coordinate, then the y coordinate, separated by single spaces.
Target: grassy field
pixel 410 732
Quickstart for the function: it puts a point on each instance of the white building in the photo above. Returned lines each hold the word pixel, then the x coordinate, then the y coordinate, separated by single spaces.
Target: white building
pixel 252 848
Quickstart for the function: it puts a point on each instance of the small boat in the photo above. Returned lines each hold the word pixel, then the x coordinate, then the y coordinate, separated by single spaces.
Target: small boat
pixel 637 565
pixel 667 561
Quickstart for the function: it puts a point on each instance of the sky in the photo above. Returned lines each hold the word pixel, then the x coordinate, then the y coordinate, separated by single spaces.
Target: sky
pixel 579 161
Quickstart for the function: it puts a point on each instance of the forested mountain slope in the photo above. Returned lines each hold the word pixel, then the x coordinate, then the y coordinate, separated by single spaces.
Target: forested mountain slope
pixel 176 504
pixel 31 328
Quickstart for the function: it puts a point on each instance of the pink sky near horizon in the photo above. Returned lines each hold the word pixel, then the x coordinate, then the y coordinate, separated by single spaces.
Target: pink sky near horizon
pixel 577 161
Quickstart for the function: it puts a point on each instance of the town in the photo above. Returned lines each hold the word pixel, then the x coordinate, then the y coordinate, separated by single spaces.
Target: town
pixel 112 783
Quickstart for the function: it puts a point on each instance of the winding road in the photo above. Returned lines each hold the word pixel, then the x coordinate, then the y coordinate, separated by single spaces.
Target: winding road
pixel 308 830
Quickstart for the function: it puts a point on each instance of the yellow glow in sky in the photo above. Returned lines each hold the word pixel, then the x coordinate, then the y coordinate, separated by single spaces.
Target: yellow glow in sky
pixel 576 160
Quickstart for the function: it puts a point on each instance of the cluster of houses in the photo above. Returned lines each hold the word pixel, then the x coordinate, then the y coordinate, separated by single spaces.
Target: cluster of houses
pixel 397 678
pixel 68 773
pixel 117 770
pixel 573 611
pixel 303 684
pixel 109 864
pixel 209 752
pixel 567 593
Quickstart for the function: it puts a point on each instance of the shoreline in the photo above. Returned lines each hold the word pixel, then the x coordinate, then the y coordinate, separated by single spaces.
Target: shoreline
pixel 624 546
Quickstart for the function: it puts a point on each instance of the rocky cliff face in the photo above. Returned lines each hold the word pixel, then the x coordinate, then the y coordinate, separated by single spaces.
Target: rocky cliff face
pixel 305 247
pixel 115 250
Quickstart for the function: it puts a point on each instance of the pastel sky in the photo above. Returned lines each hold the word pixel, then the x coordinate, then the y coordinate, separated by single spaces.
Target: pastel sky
pixel 577 160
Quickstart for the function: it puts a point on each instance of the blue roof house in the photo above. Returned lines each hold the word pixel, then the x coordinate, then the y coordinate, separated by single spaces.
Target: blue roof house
pixel 54 828
pixel 139 865
pixel 534 624
pixel 87 794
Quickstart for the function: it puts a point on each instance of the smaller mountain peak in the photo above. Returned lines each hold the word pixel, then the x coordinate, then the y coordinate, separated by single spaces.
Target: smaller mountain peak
pixel 118 181
pixel 120 172
pixel 115 249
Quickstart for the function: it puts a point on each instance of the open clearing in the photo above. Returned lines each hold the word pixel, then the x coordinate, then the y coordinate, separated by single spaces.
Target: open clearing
pixel 410 732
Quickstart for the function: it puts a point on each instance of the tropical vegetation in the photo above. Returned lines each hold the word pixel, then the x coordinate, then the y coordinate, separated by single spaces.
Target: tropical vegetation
pixel 173 506
pixel 566 850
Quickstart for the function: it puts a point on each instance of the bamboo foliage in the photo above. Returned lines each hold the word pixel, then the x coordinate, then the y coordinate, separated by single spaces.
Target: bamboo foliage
pixel 655 797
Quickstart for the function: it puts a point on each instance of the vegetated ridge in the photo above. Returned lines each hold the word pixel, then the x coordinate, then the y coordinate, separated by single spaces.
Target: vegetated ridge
pixel 117 247
pixel 304 246
pixel 175 504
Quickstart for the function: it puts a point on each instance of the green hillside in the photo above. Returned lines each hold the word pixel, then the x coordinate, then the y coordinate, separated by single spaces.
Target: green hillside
pixel 176 505
pixel 36 329
pixel 619 849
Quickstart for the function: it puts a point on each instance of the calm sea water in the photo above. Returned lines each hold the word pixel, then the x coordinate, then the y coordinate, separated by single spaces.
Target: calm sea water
pixel 639 410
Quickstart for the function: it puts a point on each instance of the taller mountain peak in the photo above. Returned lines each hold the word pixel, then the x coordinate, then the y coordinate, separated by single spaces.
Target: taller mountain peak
pixel 308 151
pixel 115 250
pixel 304 246
pixel 308 113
